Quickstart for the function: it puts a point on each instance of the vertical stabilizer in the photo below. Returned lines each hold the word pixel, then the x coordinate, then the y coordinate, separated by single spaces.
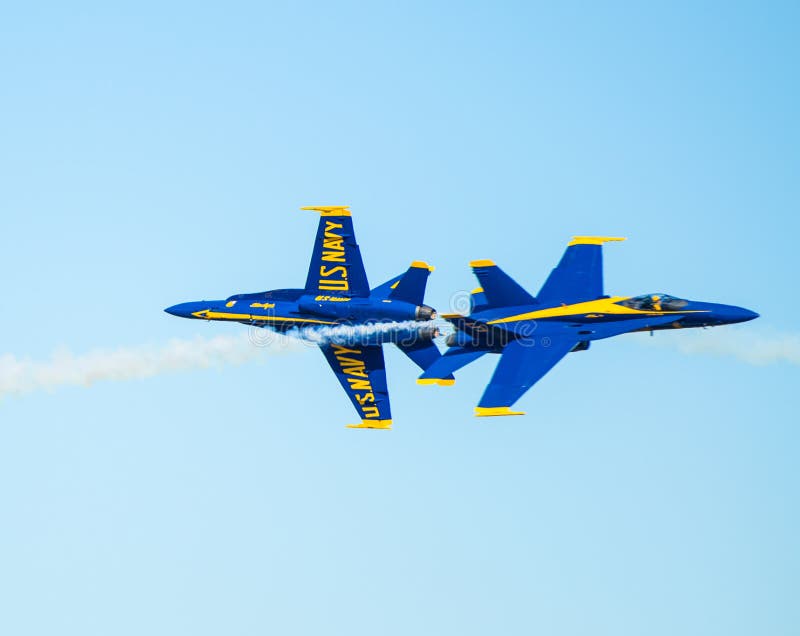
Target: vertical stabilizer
pixel 336 267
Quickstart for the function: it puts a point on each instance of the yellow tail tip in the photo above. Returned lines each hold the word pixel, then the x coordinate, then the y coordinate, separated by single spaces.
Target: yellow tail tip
pixel 422 265
pixel 379 424
pixel 439 381
pixel 483 262
pixel 481 411
pixel 329 210
pixel 593 240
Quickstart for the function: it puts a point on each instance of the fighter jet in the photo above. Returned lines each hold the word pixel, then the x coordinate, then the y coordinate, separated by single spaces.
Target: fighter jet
pixel 337 293
pixel 570 311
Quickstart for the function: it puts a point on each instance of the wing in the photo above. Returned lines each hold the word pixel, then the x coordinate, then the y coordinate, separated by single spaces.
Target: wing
pixel 362 374
pixel 520 367
pixel 579 275
pixel 336 267
pixel 498 288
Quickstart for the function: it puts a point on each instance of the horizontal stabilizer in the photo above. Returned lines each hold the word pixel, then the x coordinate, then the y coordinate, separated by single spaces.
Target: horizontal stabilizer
pixel 453 360
pixel 498 288
pixel 410 288
pixel 383 291
pixel 422 353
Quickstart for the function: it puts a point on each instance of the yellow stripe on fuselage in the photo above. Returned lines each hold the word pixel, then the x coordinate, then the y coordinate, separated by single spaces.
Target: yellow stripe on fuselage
pixel 207 314
pixel 604 306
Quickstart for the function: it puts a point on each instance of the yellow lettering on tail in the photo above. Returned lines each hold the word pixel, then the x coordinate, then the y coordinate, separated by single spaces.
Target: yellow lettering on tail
pixel 367 397
pixel 327 272
pixel 371 412
pixel 359 385
pixel 332 244
pixel 334 285
pixel 339 349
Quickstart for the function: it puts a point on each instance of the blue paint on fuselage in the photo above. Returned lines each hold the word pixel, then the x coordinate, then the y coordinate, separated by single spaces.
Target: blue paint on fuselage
pixel 268 309
pixel 477 331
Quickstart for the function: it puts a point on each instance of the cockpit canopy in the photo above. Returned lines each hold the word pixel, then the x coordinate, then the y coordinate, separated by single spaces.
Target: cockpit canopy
pixel 272 294
pixel 655 302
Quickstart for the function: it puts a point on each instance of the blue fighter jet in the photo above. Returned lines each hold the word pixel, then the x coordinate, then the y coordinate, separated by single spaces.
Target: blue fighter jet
pixel 337 293
pixel 569 312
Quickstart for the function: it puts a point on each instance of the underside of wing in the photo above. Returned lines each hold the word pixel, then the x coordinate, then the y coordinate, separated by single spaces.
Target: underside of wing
pixel 522 364
pixel 362 373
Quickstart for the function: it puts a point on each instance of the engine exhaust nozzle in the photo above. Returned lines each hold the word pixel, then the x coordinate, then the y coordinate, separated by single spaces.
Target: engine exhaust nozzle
pixel 424 312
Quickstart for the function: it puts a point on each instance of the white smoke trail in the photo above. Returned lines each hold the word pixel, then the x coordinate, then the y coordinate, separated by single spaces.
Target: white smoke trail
pixel 21 375
pixel 345 334
pixel 747 345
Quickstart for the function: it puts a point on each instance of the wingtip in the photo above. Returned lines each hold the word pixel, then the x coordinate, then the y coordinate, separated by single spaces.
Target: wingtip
pixel 384 425
pixel 493 411
pixel 436 381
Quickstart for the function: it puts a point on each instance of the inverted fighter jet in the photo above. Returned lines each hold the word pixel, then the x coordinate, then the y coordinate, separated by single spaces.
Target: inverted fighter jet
pixel 337 293
pixel 570 311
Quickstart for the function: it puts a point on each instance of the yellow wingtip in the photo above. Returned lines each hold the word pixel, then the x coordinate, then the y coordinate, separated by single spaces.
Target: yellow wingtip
pixel 492 411
pixel 594 240
pixel 422 265
pixel 329 210
pixel 378 424
pixel 477 290
pixel 437 381
pixel 483 262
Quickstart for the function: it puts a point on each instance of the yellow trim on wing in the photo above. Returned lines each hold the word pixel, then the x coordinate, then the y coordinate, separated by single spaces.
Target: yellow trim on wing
pixel 329 210
pixel 492 411
pixel 207 314
pixel 477 290
pixel 594 240
pixel 422 265
pixel 437 381
pixel 602 306
pixel 483 262
pixel 379 424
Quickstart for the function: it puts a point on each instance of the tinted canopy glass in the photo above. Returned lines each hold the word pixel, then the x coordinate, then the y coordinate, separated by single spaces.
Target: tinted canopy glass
pixel 654 302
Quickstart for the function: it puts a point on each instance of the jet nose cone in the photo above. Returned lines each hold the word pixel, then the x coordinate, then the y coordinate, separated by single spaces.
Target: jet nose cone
pixel 183 310
pixel 739 314
pixel 746 315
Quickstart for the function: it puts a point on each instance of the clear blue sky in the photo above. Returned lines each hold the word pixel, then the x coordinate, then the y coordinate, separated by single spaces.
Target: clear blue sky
pixel 153 154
